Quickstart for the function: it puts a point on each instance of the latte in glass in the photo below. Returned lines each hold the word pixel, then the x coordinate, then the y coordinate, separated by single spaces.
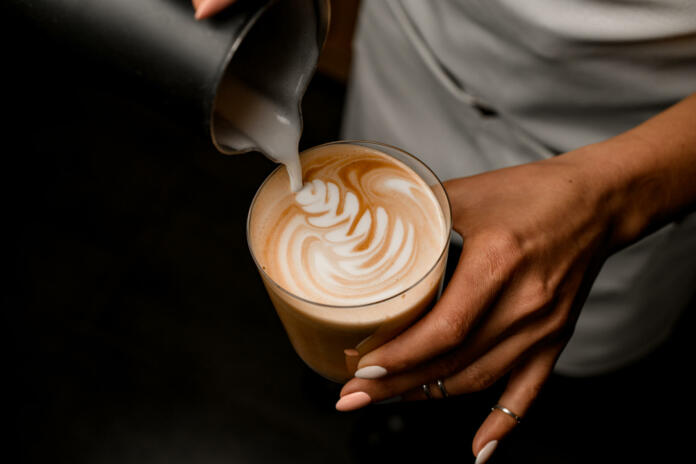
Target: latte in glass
pixel 356 255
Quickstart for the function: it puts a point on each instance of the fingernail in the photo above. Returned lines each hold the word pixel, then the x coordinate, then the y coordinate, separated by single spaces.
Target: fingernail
pixel 486 452
pixel 371 372
pixel 353 401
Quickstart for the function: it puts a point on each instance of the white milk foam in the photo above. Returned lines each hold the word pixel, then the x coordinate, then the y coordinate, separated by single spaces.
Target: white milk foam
pixel 363 228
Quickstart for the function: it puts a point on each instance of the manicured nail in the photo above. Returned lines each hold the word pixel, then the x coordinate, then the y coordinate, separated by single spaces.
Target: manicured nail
pixel 486 452
pixel 353 401
pixel 371 372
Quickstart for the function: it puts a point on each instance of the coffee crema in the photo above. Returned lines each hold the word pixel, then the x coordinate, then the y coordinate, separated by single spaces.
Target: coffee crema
pixel 363 228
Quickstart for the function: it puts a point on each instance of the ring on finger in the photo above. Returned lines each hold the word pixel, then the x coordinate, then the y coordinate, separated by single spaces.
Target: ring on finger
pixel 429 394
pixel 443 390
pixel 505 410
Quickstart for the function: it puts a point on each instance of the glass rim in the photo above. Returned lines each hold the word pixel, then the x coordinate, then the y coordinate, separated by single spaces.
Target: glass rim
pixel 445 247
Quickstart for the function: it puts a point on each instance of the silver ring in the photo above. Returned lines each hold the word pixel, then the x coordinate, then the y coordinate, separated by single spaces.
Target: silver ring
pixel 507 411
pixel 443 390
pixel 426 389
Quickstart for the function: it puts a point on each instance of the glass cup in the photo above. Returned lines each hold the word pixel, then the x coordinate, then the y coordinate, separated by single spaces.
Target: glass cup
pixel 331 339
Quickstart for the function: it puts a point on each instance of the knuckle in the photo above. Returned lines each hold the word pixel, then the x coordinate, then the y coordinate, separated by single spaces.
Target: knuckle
pixel 385 390
pixel 447 365
pixel 537 296
pixel 533 388
pixel 503 250
pixel 454 326
pixel 540 292
pixel 479 379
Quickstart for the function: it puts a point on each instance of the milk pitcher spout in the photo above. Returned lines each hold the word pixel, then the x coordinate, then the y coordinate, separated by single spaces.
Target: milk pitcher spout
pixel 257 102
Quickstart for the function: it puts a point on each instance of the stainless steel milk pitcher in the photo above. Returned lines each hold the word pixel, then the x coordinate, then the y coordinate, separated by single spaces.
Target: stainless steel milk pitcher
pixel 179 63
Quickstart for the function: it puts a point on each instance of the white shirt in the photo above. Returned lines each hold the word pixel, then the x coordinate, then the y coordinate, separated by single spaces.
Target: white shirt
pixel 559 75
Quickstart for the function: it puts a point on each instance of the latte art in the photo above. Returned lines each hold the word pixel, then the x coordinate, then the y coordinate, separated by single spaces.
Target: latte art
pixel 356 255
pixel 363 228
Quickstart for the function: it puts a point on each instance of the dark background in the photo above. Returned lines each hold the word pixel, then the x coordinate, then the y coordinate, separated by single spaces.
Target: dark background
pixel 139 329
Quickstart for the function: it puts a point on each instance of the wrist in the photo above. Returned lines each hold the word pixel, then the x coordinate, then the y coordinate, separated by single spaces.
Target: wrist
pixel 644 178
pixel 624 185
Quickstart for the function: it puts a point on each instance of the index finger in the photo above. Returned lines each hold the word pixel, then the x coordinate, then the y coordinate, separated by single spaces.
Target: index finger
pixel 473 287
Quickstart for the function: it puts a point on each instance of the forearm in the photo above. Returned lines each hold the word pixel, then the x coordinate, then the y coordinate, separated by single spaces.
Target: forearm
pixel 648 174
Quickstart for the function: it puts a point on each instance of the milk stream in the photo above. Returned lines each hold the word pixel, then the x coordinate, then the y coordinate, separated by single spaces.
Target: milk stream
pixel 271 128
